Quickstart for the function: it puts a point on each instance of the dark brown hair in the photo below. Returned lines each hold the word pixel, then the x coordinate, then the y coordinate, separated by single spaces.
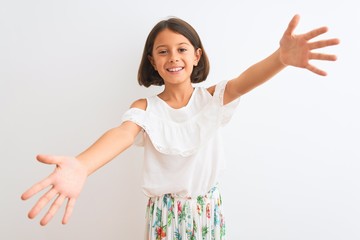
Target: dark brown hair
pixel 148 76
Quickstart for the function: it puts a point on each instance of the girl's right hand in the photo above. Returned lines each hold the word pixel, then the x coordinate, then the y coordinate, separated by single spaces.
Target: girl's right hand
pixel 66 182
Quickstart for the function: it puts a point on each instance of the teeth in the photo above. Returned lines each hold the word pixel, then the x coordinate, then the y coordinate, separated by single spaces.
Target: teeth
pixel 175 69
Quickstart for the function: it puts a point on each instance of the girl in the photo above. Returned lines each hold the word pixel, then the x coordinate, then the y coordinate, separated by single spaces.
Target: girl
pixel 179 131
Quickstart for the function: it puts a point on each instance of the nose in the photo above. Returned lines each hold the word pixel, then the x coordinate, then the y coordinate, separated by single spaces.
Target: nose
pixel 174 57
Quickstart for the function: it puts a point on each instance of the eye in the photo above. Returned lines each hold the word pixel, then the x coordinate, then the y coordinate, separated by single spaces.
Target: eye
pixel 162 52
pixel 182 50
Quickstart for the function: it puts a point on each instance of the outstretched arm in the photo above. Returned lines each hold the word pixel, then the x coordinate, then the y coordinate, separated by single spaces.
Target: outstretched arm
pixel 294 50
pixel 111 144
pixel 69 176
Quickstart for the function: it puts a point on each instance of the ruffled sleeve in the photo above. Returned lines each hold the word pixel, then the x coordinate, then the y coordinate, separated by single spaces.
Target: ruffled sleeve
pixel 137 116
pixel 227 111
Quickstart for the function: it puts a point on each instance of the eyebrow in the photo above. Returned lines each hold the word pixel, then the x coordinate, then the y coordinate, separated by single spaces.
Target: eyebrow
pixel 164 45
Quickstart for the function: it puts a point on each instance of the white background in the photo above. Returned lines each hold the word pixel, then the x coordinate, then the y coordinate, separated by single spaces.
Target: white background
pixel 68 72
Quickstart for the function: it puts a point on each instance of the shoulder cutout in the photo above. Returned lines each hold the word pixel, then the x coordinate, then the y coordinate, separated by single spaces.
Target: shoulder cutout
pixel 211 90
pixel 140 103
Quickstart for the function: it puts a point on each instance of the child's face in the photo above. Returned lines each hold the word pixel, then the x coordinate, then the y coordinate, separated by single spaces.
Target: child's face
pixel 174 57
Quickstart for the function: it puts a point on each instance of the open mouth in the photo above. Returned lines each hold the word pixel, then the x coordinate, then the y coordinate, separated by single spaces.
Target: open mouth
pixel 176 69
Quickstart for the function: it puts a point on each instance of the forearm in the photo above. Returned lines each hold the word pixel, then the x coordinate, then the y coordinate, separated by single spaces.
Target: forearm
pixel 258 74
pixel 107 147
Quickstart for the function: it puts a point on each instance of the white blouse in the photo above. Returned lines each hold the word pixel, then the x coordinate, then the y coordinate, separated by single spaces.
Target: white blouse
pixel 182 147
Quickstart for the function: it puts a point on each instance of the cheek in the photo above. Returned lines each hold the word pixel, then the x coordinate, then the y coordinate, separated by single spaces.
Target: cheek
pixel 160 61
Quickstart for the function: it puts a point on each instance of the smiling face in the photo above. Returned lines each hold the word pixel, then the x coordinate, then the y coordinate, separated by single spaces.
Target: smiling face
pixel 174 57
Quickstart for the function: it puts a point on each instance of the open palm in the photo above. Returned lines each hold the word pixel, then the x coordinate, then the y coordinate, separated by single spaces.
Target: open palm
pixel 66 182
pixel 296 50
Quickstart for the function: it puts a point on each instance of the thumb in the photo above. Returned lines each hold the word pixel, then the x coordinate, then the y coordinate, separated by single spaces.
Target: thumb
pixel 292 25
pixel 49 159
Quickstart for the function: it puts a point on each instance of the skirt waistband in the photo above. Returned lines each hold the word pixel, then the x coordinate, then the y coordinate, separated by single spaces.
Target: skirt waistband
pixel 211 194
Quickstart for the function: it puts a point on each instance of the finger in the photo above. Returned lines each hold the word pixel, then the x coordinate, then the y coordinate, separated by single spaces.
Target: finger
pixel 322 56
pixel 41 203
pixel 37 188
pixel 52 210
pixel 292 25
pixel 68 211
pixel 48 159
pixel 316 70
pixel 314 33
pixel 324 43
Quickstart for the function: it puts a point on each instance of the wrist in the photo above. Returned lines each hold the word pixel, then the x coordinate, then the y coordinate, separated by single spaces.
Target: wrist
pixel 85 163
pixel 280 58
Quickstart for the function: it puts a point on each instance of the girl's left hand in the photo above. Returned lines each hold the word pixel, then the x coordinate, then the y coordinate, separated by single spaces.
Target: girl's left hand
pixel 296 50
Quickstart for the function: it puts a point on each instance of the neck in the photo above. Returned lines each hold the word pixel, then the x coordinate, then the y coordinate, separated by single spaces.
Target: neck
pixel 177 96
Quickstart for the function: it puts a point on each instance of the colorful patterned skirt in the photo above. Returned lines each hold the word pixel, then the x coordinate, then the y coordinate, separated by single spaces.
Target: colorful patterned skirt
pixel 171 217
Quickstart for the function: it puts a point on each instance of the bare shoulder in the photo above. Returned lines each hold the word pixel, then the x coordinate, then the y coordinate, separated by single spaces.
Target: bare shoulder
pixel 140 103
pixel 211 89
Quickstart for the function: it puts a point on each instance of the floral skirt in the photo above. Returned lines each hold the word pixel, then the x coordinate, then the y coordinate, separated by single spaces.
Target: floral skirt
pixel 170 217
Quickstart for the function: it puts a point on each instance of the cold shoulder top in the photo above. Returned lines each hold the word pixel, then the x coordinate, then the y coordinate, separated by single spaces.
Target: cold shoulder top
pixel 182 147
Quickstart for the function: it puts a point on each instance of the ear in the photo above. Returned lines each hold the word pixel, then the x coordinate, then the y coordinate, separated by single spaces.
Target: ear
pixel 198 54
pixel 151 60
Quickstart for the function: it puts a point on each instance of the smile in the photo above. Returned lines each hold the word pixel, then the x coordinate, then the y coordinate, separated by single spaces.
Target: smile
pixel 177 69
